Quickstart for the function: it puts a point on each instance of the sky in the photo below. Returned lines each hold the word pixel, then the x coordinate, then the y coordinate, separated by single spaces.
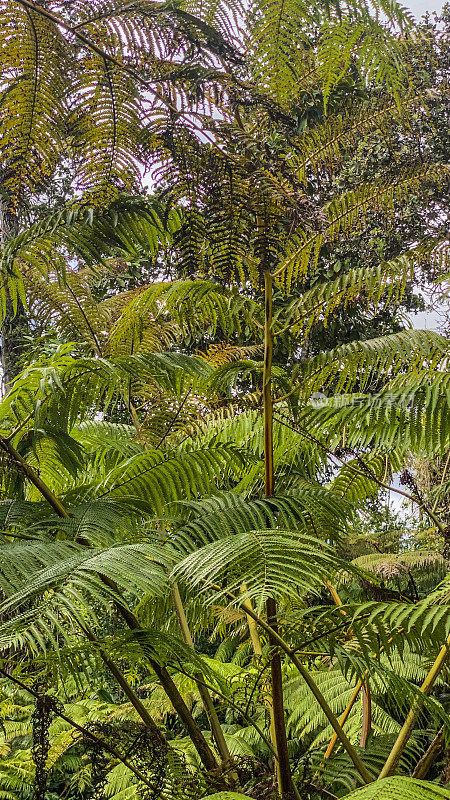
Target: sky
pixel 435 317
pixel 419 7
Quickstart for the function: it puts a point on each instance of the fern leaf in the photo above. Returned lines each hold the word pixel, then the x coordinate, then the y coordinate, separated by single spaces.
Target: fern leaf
pixel 399 788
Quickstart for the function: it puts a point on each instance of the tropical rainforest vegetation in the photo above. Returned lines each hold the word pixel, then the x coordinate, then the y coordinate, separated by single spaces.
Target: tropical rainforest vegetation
pixel 216 221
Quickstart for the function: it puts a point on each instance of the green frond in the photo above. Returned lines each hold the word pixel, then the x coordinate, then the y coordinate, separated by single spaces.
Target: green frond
pixel 306 719
pixel 196 306
pixel 77 81
pixel 107 443
pixel 399 788
pixel 106 126
pixel 171 371
pixel 65 583
pixel 294 456
pixel 34 262
pixel 411 413
pixel 160 479
pixel 278 67
pixel 226 377
pixel 327 144
pixel 281 52
pixel 362 363
pixel 348 212
pixel 33 105
pixel 16 775
pixel 389 565
pixel 31 569
pixel 305 715
pixel 310 507
pixel 128 227
pixel 272 563
pixel 231 424
pixel 391 624
pixel 340 775
pixel 98 522
pixel 378 51
pixel 359 478
pixel 70 308
pixel 386 282
pixel 79 385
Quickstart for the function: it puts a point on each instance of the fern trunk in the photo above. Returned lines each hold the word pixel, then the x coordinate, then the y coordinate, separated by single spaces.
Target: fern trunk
pixel 285 781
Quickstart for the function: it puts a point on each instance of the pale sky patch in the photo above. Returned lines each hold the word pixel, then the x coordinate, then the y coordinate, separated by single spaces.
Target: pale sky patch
pixel 420 7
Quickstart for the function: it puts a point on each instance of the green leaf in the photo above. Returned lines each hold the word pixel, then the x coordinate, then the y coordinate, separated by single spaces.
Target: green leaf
pixel 398 788
pixel 226 796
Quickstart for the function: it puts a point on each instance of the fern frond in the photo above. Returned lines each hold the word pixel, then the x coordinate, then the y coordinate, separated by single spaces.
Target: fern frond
pixel 348 211
pixel 33 106
pixel 421 624
pixel 400 788
pixel 378 50
pixel 309 507
pixel 384 283
pixel 49 565
pixel 271 564
pixel 388 565
pixel 194 305
pixel 128 227
pixel 78 385
pixel 357 363
pixel 106 126
pixel 159 479
pixel 411 413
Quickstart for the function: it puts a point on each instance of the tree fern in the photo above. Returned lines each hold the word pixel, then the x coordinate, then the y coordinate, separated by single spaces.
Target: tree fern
pixel 159 458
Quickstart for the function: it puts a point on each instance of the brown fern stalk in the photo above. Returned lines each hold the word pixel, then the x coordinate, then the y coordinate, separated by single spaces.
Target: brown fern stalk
pixel 285 781
pixel 424 765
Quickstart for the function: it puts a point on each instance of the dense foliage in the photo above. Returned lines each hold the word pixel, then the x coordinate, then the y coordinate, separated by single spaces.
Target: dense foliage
pixel 213 218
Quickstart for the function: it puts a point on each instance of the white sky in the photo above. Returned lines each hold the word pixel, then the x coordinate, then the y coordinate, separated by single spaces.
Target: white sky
pixel 419 7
